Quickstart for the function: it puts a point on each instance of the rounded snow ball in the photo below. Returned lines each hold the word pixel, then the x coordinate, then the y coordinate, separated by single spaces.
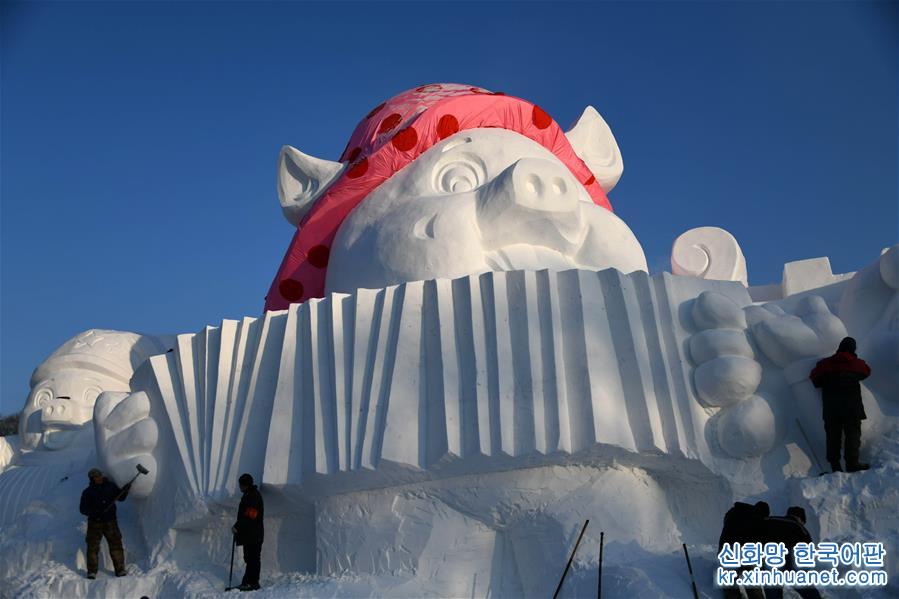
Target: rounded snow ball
pixel 713 310
pixel 747 429
pixel 727 379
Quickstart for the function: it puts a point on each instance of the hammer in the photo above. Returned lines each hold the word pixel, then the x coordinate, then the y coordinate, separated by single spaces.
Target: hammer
pixel 140 470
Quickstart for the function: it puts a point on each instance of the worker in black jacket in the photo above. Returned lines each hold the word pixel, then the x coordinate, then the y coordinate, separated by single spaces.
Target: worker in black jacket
pixel 839 378
pixel 789 530
pixel 248 531
pixel 743 523
pixel 98 504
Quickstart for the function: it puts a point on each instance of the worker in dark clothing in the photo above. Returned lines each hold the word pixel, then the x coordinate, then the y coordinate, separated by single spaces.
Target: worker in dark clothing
pixel 838 378
pixel 248 531
pixel 789 530
pixel 98 504
pixel 743 523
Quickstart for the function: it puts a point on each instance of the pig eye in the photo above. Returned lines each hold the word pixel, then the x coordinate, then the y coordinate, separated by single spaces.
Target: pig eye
pixel 43 397
pixel 91 395
pixel 462 174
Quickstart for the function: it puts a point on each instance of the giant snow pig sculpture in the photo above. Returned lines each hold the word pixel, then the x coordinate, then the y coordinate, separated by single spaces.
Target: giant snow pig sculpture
pixel 448 180
pixel 462 341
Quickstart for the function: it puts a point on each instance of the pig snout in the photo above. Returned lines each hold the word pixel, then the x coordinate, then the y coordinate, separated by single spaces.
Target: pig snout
pixel 533 201
pixel 59 412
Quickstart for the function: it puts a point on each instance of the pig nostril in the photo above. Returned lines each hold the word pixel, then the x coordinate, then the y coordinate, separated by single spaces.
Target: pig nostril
pixel 559 186
pixel 533 184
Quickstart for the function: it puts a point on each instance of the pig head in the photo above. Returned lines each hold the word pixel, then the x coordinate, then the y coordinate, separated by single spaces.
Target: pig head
pixel 483 199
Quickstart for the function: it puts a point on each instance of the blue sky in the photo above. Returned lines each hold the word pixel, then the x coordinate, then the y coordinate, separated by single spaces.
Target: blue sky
pixel 138 141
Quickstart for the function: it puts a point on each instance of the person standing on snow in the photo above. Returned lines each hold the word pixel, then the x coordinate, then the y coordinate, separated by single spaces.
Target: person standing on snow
pixel 743 523
pixel 248 531
pixel 838 377
pixel 98 504
pixel 790 530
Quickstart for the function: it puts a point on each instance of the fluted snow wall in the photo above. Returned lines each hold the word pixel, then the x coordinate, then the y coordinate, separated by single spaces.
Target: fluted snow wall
pixel 500 367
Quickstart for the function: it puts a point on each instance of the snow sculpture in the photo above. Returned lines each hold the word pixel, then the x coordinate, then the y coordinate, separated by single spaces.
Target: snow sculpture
pixel 463 357
pixel 65 386
pixel 55 425
pixel 447 180
pixel 708 253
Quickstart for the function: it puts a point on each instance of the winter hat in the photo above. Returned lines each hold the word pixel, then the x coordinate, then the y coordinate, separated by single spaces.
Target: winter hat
pixel 763 509
pixel 390 137
pixel 94 472
pixel 245 480
pixel 847 345
pixel 112 353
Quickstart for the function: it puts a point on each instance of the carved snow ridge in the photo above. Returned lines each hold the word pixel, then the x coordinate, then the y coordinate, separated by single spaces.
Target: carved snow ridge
pixel 503 365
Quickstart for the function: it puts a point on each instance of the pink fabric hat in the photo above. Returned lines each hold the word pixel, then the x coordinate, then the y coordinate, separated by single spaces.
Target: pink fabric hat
pixel 391 136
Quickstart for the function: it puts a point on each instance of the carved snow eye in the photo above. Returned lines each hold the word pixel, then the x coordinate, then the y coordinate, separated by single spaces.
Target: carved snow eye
pixel 43 397
pixel 463 173
pixel 91 395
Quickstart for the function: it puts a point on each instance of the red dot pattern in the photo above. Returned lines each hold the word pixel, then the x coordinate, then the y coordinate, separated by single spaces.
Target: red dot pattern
pixel 540 118
pixel 447 125
pixel 405 140
pixel 590 181
pixel 318 256
pixel 291 290
pixel 358 170
pixel 389 123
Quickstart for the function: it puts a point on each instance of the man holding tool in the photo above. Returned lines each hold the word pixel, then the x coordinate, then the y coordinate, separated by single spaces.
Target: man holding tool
pixel 98 504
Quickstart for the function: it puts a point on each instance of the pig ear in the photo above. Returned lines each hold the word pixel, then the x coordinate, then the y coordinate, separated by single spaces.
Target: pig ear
pixel 594 143
pixel 301 181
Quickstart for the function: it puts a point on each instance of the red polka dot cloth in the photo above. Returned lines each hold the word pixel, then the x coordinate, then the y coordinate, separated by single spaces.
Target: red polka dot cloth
pixel 391 136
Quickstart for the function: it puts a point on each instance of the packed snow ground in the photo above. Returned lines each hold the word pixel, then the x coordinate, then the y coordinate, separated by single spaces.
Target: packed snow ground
pixel 37 560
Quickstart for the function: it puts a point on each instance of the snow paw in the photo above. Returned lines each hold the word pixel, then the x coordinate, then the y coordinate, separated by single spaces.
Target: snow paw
pixel 747 429
pixel 787 338
pixel 727 376
pixel 126 436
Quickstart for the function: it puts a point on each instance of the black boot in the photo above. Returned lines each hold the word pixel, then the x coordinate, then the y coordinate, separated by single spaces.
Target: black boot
pixel 857 467
pixel 835 467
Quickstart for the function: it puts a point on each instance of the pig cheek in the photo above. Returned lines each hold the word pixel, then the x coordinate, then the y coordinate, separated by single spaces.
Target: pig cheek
pixel 31 427
pixel 442 242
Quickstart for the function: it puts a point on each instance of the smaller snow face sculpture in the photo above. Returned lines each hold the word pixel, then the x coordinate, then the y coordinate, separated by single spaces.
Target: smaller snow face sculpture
pixel 66 385
pixel 59 405
pixel 447 180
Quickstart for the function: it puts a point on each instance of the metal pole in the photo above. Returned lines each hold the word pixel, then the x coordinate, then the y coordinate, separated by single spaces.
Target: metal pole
pixel 231 571
pixel 811 448
pixel 568 565
pixel 690 567
pixel 599 580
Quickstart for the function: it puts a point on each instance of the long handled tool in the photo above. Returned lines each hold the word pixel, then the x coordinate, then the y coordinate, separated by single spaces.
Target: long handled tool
pixel 599 580
pixel 140 470
pixel 231 571
pixel 690 567
pixel 568 565
pixel 810 447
